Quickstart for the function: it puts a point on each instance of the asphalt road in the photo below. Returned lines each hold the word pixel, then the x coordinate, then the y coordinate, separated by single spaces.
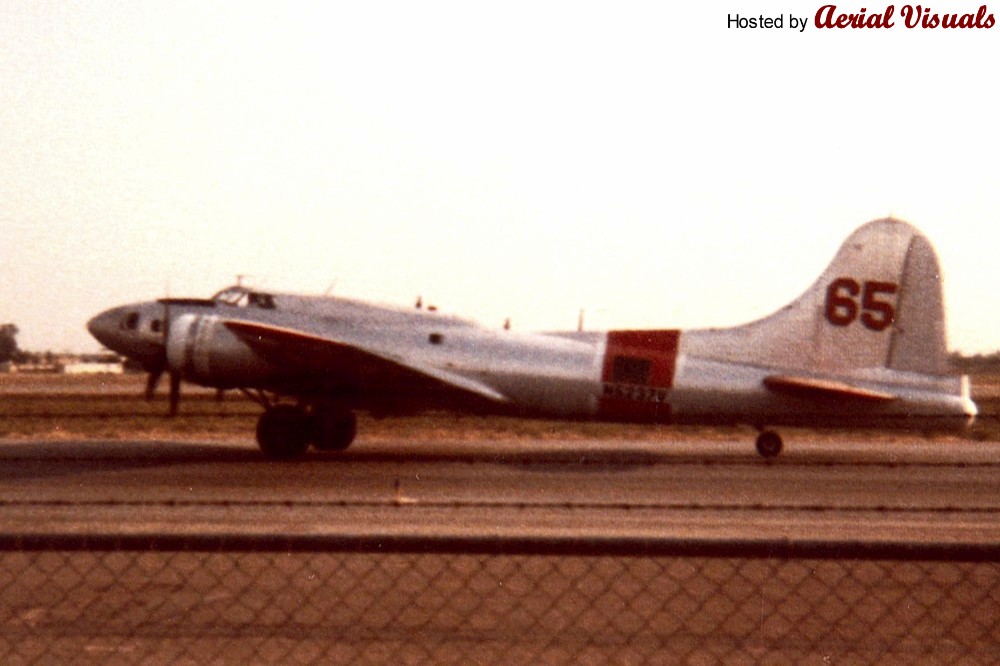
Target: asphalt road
pixel 927 491
pixel 370 607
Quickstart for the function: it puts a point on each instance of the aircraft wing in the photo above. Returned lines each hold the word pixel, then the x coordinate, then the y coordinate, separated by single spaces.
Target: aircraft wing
pixel 289 346
pixel 812 387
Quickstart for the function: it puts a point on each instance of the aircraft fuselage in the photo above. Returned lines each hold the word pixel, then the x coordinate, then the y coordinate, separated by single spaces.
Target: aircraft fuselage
pixel 637 376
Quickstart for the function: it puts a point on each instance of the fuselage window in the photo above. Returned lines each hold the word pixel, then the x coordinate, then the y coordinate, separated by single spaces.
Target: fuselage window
pixel 156 326
pixel 131 321
pixel 435 338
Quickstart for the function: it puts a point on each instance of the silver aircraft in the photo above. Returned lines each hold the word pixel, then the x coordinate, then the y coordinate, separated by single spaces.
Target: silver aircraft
pixel 864 346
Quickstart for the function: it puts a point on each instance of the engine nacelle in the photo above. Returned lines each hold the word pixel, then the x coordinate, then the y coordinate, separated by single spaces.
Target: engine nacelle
pixel 204 351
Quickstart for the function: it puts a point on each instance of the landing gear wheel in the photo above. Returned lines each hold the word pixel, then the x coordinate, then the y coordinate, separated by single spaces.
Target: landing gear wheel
pixel 335 429
pixel 283 432
pixel 769 444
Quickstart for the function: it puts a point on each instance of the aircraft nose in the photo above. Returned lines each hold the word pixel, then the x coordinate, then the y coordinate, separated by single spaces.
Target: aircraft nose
pixel 104 327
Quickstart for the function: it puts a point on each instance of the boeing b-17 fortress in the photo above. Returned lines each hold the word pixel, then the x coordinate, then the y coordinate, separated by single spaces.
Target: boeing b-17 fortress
pixel 864 346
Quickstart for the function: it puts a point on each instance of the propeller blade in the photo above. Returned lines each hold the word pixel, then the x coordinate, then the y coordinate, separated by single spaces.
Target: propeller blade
pixel 152 379
pixel 175 377
pixel 175 392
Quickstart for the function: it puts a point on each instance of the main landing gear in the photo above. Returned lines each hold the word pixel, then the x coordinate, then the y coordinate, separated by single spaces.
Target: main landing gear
pixel 286 431
pixel 769 444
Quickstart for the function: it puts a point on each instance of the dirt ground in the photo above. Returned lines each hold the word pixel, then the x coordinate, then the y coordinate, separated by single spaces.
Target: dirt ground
pixel 101 407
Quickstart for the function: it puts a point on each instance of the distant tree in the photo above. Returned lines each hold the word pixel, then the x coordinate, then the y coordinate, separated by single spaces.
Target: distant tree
pixel 976 363
pixel 8 342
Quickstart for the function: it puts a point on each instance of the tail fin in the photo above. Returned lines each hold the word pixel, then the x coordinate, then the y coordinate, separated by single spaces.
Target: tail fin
pixel 878 304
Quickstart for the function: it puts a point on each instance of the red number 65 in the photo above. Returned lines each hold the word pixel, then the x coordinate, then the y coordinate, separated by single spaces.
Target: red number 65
pixel 842 305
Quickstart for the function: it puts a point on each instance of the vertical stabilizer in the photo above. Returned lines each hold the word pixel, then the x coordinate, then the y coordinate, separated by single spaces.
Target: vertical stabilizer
pixel 878 304
pixel 918 335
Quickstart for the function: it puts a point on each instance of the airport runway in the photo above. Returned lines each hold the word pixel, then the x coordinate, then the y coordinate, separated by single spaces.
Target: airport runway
pixel 841 488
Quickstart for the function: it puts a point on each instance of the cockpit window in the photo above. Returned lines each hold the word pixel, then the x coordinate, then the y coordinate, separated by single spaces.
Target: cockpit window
pixel 130 322
pixel 231 296
pixel 156 326
pixel 242 297
pixel 257 299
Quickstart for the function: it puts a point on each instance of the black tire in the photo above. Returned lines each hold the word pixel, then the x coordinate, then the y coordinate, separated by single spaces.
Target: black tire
pixel 283 432
pixel 336 428
pixel 769 444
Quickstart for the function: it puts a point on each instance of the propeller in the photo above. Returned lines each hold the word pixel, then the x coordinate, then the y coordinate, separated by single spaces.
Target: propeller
pixel 175 392
pixel 152 379
pixel 159 366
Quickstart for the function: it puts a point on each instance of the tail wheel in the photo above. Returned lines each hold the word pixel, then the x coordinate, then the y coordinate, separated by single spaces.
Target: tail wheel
pixel 769 444
pixel 283 432
pixel 336 428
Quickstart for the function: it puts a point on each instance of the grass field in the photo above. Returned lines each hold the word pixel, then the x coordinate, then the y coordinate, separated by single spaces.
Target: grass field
pixel 105 407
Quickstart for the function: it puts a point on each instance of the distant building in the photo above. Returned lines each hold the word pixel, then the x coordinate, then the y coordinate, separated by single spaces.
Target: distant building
pixel 90 368
pixel 69 364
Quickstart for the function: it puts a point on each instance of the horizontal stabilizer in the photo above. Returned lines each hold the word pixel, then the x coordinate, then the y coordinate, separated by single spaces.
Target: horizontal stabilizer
pixel 286 345
pixel 811 387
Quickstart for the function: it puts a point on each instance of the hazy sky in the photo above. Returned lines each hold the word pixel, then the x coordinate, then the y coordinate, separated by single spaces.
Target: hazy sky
pixel 525 159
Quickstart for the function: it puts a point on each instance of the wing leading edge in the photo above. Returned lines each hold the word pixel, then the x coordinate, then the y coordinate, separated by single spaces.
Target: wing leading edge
pixel 812 387
pixel 362 366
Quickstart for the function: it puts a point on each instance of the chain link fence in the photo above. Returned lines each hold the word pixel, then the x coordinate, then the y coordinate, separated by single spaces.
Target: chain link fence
pixel 412 601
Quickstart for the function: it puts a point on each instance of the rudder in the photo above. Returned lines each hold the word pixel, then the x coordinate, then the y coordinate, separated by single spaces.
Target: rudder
pixel 918 333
